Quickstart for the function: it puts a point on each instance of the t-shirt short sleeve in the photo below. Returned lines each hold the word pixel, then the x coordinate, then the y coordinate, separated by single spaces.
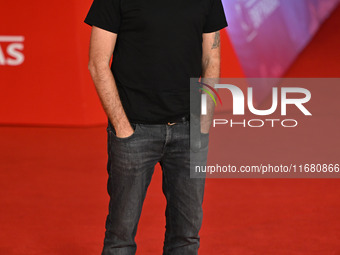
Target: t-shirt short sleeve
pixel 216 19
pixel 104 14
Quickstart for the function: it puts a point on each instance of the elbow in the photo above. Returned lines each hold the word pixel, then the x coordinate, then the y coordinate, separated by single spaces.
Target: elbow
pixel 210 63
pixel 97 70
pixel 211 67
pixel 91 66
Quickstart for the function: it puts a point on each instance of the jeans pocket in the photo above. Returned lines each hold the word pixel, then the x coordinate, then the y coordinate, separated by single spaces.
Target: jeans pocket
pixel 111 129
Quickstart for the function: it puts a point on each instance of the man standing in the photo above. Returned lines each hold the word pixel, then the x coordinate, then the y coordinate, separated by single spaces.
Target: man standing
pixel 157 46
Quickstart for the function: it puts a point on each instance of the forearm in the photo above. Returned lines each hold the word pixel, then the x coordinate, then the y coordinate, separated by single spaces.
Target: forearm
pixel 108 95
pixel 102 44
pixel 210 76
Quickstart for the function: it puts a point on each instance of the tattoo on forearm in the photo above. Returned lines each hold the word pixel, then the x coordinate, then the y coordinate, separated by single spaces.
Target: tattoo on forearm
pixel 217 41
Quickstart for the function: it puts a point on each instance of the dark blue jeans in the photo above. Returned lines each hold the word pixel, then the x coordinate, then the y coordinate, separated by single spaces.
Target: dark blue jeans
pixel 130 167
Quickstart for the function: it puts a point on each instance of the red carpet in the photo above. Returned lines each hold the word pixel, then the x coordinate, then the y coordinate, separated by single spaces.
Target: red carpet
pixel 53 192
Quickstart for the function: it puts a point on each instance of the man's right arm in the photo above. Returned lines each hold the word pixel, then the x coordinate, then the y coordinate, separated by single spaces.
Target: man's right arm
pixel 102 44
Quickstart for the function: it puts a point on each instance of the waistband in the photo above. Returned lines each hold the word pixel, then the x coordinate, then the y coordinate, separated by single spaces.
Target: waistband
pixel 178 120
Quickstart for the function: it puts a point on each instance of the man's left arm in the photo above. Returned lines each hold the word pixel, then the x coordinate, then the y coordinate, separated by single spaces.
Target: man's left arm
pixel 211 60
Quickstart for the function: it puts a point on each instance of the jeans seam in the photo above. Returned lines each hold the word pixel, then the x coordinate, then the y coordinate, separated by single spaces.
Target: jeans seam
pixel 168 206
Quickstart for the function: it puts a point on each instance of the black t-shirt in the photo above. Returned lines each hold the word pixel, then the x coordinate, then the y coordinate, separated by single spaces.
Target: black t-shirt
pixel 158 50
